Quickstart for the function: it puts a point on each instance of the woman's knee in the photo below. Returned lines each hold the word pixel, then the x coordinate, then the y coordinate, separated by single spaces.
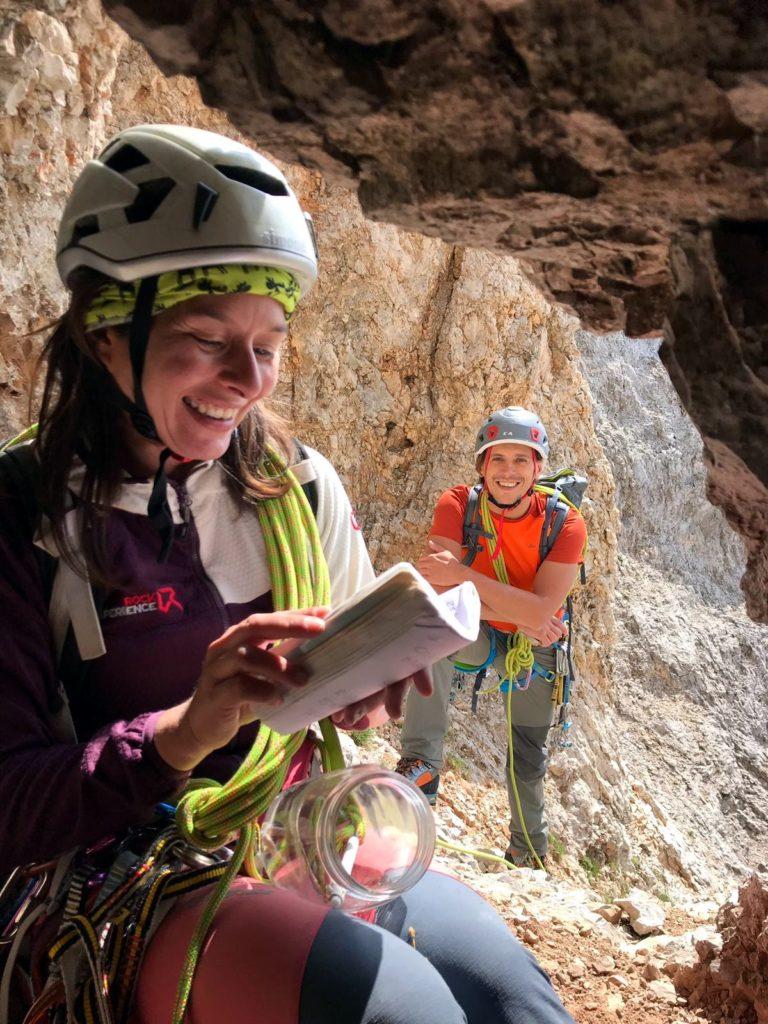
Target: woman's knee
pixel 254 956
pixel 358 973
pixel 491 975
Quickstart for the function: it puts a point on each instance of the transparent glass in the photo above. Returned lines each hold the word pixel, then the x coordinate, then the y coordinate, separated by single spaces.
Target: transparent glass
pixel 354 838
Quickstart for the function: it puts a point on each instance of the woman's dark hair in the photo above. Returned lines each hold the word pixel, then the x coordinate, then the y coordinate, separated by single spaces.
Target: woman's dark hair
pixel 78 418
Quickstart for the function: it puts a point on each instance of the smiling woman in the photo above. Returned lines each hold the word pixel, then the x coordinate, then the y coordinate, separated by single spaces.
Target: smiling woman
pixel 159 473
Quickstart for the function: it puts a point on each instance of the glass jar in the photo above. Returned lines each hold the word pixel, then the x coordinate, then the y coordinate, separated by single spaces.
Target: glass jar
pixel 355 838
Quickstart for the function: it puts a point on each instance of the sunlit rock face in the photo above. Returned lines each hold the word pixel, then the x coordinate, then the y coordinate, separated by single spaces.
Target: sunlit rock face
pixel 619 150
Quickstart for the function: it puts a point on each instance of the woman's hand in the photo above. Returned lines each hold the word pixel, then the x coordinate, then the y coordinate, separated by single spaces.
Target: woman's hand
pixel 382 705
pixel 442 568
pixel 548 633
pixel 240 679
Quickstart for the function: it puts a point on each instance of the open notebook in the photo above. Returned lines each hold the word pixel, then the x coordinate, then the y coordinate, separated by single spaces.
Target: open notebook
pixel 386 631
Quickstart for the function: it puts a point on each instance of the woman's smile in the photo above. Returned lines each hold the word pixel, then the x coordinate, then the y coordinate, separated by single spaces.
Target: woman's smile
pixel 213 413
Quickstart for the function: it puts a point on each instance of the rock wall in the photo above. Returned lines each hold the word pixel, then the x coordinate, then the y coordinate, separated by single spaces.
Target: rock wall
pixel 730 979
pixel 690 668
pixel 619 149
pixel 57 65
pixel 406 343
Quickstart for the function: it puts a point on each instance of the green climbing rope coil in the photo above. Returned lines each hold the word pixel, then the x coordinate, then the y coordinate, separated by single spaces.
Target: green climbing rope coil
pixel 210 815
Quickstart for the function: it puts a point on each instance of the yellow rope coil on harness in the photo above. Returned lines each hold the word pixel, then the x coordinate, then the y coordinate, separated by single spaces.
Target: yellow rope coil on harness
pixel 519 657
pixel 209 814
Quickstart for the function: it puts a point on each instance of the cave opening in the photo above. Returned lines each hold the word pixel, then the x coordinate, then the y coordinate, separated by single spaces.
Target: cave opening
pixel 741 251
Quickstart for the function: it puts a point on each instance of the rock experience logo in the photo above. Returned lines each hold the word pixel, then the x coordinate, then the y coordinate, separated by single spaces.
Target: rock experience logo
pixel 160 600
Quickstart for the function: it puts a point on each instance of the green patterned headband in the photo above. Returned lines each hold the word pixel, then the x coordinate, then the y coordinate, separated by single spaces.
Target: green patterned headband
pixel 115 302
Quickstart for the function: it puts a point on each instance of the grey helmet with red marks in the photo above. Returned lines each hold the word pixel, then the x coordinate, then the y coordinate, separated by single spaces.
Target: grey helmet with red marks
pixel 513 425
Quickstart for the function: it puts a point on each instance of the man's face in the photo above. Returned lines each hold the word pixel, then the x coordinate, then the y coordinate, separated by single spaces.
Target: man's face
pixel 510 471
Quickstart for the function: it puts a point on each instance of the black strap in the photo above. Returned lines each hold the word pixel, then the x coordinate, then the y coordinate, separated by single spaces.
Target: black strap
pixel 479 680
pixel 20 478
pixel 310 487
pixel 555 514
pixel 141 323
pixel 158 509
pixel 472 529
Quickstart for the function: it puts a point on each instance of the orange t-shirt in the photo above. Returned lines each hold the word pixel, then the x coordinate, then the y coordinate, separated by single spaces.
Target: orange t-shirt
pixel 519 539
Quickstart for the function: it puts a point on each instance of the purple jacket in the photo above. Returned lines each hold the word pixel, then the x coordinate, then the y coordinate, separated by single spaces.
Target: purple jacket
pixel 55 795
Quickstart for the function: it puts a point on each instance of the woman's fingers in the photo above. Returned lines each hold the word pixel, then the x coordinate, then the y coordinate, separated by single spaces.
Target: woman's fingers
pixel 394 698
pixel 351 716
pixel 247 690
pixel 391 697
pixel 269 627
pixel 254 663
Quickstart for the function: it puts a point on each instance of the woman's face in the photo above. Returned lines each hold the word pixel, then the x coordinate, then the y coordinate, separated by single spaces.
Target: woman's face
pixel 510 471
pixel 209 361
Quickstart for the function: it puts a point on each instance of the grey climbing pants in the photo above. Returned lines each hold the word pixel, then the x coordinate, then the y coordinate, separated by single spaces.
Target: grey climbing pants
pixel 426 723
pixel 466 967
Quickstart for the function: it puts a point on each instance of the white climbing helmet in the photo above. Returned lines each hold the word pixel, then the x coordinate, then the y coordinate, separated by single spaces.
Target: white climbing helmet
pixel 165 197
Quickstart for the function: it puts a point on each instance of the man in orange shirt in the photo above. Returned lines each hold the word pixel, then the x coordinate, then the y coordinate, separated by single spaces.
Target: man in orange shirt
pixel 519 591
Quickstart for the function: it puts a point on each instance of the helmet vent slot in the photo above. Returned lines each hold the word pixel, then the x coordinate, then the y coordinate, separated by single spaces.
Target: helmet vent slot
pixel 87 225
pixel 151 194
pixel 256 179
pixel 126 158
pixel 205 200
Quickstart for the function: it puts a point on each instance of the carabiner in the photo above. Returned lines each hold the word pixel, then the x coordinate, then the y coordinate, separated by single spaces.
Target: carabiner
pixel 518 687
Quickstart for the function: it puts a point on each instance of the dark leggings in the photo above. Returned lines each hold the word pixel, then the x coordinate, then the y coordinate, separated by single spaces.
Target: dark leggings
pixel 466 968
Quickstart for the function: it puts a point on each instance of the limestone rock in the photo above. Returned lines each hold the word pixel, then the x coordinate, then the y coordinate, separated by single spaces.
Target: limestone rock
pixel 577 968
pixel 681 630
pixel 610 912
pixel 491 866
pixel 604 965
pixel 664 991
pixel 646 917
pixel 577 136
pixel 733 977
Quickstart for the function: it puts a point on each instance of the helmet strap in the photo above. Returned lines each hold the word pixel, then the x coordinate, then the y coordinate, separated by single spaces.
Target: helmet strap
pixel 514 504
pixel 158 509
pixel 138 341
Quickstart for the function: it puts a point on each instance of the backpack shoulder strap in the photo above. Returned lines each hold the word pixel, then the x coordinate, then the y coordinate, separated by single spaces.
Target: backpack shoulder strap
pixel 472 529
pixel 20 479
pixel 304 472
pixel 555 514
